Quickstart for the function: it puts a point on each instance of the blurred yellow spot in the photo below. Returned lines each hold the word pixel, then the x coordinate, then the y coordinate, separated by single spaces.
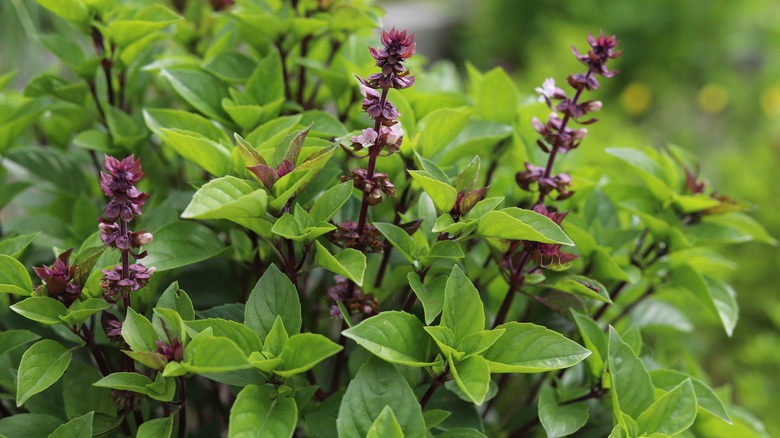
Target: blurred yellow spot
pixel 712 98
pixel 770 101
pixel 636 98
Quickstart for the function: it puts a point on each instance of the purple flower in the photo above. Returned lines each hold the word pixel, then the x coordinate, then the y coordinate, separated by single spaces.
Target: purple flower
pixel 59 279
pixel 121 176
pixel 111 326
pixel 398 47
pixel 371 103
pixel 115 283
pixel 173 350
pixel 602 50
pixel 373 186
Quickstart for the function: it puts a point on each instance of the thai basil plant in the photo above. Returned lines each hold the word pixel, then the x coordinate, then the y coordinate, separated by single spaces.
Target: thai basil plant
pixel 257 219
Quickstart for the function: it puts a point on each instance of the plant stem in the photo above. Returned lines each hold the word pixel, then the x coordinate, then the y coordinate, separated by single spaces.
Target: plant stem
pixel 437 381
pixel 182 412
pixel 334 381
pixel 516 281
pixel 556 142
pixel 94 349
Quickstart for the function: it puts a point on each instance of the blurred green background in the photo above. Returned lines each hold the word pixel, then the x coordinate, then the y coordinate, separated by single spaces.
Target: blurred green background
pixel 702 75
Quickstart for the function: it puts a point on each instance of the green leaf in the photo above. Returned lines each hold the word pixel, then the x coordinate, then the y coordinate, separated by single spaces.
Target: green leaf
pixel 473 377
pixel 15 246
pixel 256 415
pixel 651 173
pixel 305 350
pixel 582 286
pixel 10 339
pixel 442 194
pixel 376 385
pixel 28 425
pixel 14 278
pixel 385 426
pixel 60 169
pixel 478 342
pixel 594 340
pixel 672 413
pixel 560 420
pixel 439 128
pixel 630 380
pixel 445 340
pixel 138 332
pixel 211 354
pixel 266 84
pixel 161 389
pixel 41 309
pixel 518 224
pixel 529 348
pixel 274 294
pixel 80 311
pixel 80 396
pixel 734 227
pixel 200 89
pixel 349 262
pixel 244 338
pixel 706 398
pixel 463 311
pixel 496 97
pixel 431 295
pixel 230 66
pixel 41 366
pixel 180 244
pixel 396 337
pixel 725 300
pixel 327 205
pixel 74 11
pixel 178 300
pixel 226 198
pixel 277 338
pixel 79 427
pixel 193 137
pixel 157 428
pixel 443 249
pixel 434 417
pixel 324 124
pixel 400 239
pixel 85 261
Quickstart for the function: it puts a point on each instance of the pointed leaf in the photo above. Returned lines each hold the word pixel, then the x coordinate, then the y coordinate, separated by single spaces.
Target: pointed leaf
pixel 400 239
pixel 431 295
pixel 274 294
pixel 672 413
pixel 41 366
pixel 376 385
pixel 14 278
pixel 473 377
pixel 305 350
pixel 396 337
pixel 385 426
pixel 706 398
pixel 349 262
pixel 560 420
pixel 529 348
pixel 442 194
pixel 157 428
pixel 631 382
pixel 226 198
pixel 79 427
pixel 41 309
pixel 256 415
pixel 463 311
pixel 518 224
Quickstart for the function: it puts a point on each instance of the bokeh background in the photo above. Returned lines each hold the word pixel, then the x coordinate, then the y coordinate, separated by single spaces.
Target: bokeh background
pixel 701 75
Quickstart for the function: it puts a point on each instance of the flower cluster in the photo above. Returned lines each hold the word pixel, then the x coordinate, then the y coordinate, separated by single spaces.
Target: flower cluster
pixel 602 50
pixel 173 351
pixel 357 302
pixel 373 186
pixel 59 280
pixel 118 182
pixel 348 234
pixel 536 174
pixel 398 47
pixel 548 255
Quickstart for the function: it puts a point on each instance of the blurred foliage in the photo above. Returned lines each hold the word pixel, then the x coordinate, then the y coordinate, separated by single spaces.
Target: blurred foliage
pixel 704 77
